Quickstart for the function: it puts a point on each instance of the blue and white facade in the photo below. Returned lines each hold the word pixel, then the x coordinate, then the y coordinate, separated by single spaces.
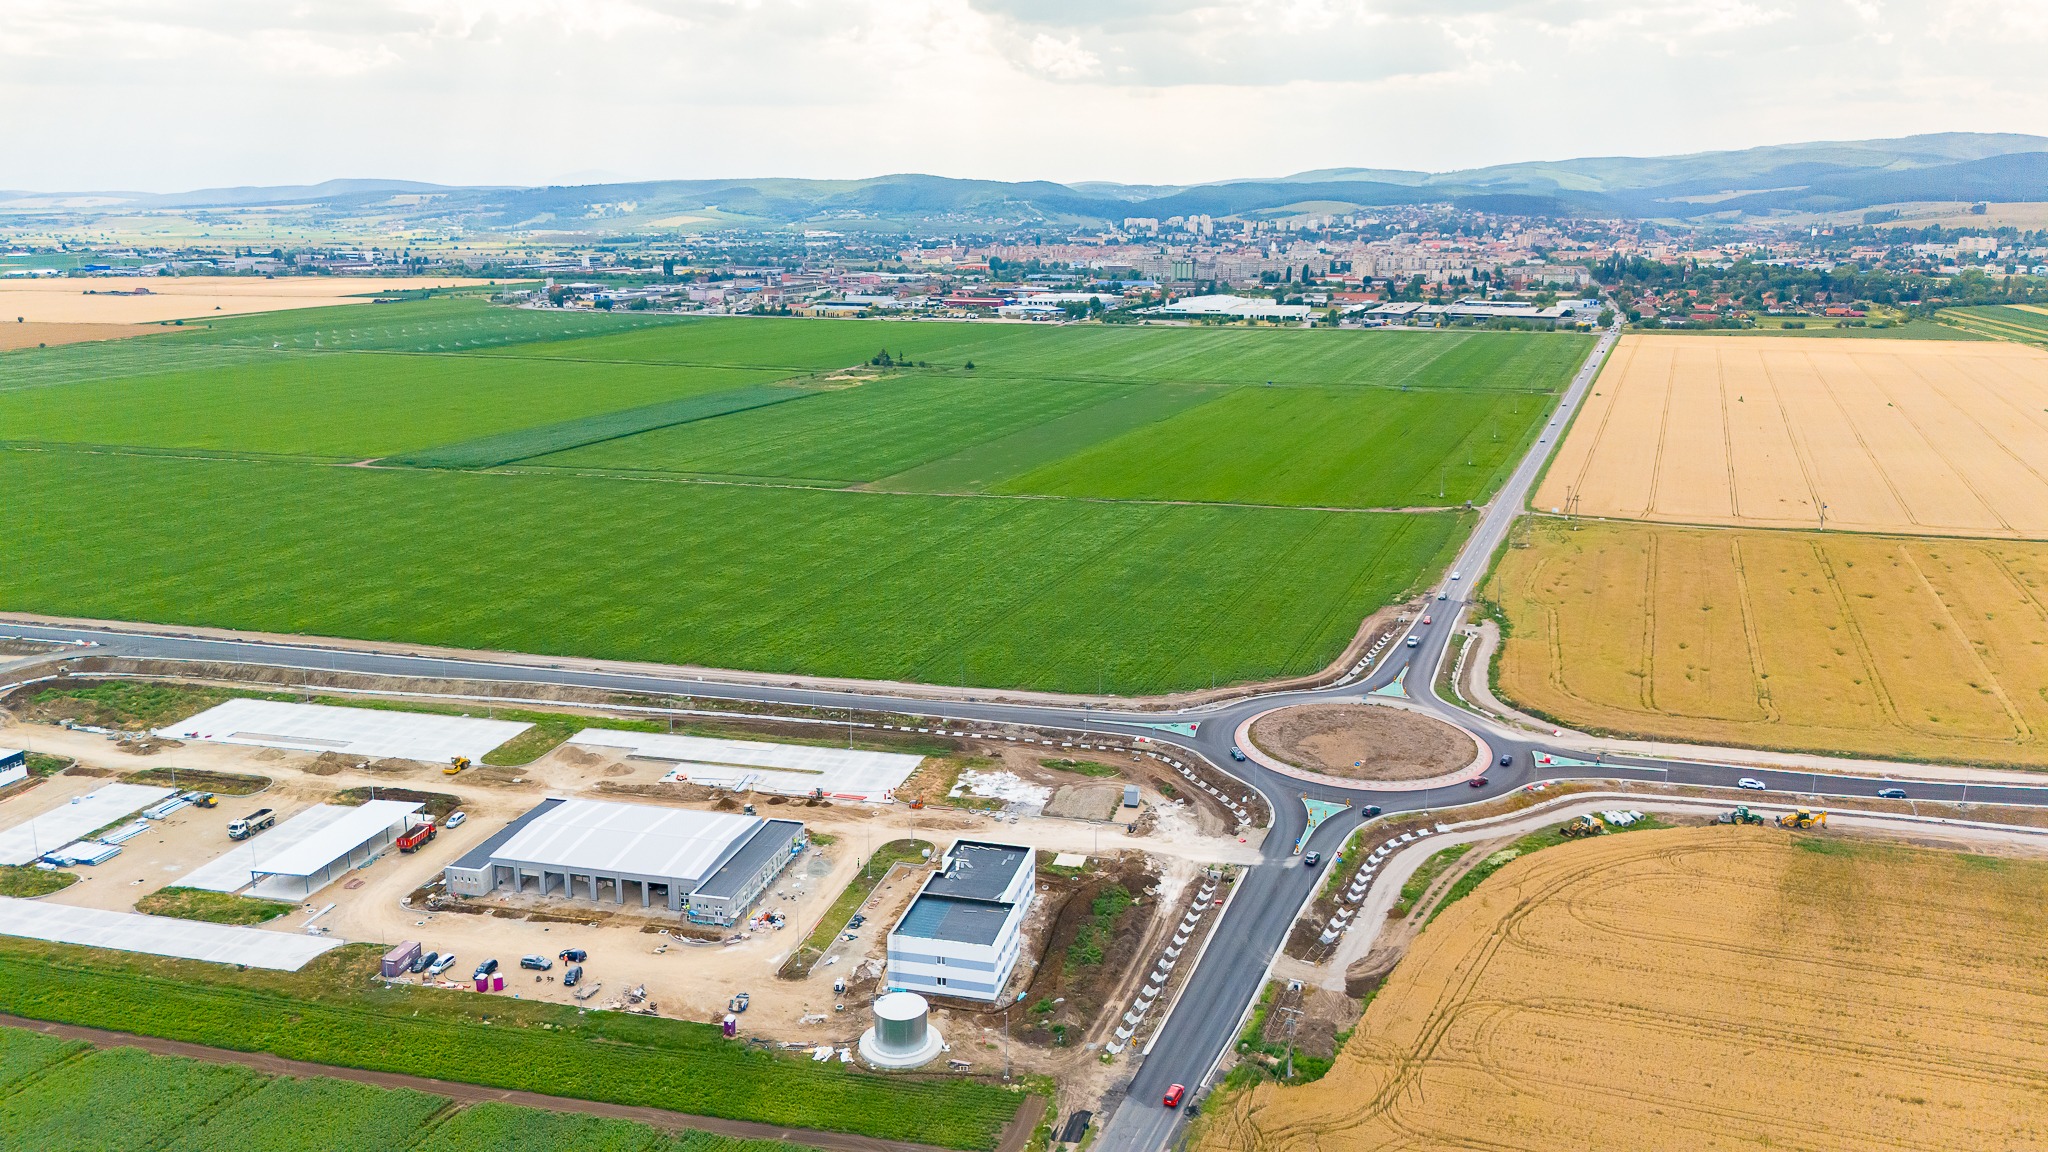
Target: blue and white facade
pixel 963 933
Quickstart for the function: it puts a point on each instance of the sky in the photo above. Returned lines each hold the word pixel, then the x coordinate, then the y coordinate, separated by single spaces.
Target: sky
pixel 143 95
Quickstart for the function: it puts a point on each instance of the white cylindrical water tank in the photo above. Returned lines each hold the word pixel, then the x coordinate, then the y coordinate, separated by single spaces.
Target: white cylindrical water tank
pixel 900 1022
pixel 902 1036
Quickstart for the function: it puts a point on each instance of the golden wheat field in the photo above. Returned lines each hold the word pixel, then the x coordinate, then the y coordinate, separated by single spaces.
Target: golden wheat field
pixel 1926 647
pixel 68 300
pixel 1915 436
pixel 1703 988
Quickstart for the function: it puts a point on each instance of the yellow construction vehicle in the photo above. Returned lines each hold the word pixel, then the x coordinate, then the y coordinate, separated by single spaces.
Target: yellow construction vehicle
pixel 455 764
pixel 1803 818
pixel 1583 826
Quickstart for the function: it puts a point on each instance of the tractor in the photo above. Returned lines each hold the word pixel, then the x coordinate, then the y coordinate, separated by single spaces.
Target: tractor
pixel 1741 815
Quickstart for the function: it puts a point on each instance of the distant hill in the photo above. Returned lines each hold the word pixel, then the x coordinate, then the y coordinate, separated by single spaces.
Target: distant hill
pixel 1820 176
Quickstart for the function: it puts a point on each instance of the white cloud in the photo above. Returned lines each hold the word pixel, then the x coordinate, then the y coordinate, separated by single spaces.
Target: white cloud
pixel 140 94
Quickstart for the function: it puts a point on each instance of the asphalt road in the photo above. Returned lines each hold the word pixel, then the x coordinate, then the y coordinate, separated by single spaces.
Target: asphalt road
pixel 1195 1036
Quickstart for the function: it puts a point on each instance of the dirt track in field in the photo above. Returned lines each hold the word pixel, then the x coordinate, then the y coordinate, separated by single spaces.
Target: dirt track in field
pixel 1927 648
pixel 1363 742
pixel 1698 988
pixel 1923 437
pixel 107 300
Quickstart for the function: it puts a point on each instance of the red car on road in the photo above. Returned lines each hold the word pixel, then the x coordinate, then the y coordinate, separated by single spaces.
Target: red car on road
pixel 1174 1094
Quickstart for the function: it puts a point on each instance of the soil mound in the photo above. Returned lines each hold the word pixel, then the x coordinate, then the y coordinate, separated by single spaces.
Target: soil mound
pixel 1363 742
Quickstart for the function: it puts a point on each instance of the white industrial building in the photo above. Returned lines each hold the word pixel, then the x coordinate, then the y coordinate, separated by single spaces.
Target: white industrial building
pixel 312 849
pixel 13 766
pixel 1229 308
pixel 962 934
pixel 710 866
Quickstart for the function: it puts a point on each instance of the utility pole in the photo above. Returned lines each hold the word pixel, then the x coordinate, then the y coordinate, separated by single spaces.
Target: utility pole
pixel 1293 1017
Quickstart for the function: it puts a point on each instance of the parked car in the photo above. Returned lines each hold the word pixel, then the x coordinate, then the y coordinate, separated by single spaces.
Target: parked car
pixel 446 962
pixel 536 963
pixel 573 956
pixel 1477 782
pixel 1892 793
pixel 455 819
pixel 1751 783
pixel 1236 753
pixel 573 976
pixel 1507 760
pixel 422 962
pixel 487 968
pixel 1174 1095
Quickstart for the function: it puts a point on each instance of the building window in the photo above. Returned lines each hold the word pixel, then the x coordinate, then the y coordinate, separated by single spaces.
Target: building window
pixel 940 981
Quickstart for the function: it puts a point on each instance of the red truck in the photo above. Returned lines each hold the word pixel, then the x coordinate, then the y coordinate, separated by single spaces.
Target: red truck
pixel 416 835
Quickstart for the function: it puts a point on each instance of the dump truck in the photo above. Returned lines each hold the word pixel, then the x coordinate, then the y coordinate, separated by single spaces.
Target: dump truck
pixel 251 824
pixel 1741 815
pixel 417 835
pixel 1803 818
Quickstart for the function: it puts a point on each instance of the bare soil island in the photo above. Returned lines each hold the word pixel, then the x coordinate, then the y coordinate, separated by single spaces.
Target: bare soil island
pixel 1698 988
pixel 1363 742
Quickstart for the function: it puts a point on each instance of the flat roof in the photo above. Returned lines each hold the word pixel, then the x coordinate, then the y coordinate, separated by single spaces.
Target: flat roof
pixel 234 869
pixel 480 856
pixel 788 769
pixel 67 822
pixel 608 838
pixel 368 732
pixel 769 840
pixel 313 846
pixel 978 871
pixel 11 753
pixel 161 935
pixel 934 917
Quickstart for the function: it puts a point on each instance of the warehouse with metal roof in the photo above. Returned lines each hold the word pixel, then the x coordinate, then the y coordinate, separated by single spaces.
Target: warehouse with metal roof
pixel 963 933
pixel 710 866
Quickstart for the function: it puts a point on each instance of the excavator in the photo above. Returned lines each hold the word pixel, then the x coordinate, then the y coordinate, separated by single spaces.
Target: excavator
pixel 1803 818
pixel 1741 815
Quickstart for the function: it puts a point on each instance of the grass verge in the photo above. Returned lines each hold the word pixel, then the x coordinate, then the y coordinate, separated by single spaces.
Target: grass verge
pixel 212 907
pixel 27 883
pixel 850 899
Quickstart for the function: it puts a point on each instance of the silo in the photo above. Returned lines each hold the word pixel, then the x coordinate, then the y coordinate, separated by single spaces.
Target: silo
pixel 902 1036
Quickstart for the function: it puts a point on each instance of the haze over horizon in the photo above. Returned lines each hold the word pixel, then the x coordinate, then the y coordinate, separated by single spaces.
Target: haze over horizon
pixel 532 92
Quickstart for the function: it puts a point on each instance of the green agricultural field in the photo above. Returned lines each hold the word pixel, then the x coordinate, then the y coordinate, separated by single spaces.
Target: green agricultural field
pixel 2000 322
pixel 291 1115
pixel 1128 509
pixel 23 1054
pixel 121 1100
pixel 336 1013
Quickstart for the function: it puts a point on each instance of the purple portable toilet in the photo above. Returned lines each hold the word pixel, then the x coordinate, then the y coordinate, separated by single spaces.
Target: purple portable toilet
pixel 498 982
pixel 732 1025
pixel 483 983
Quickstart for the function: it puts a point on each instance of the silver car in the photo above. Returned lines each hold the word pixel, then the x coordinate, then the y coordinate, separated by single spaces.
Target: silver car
pixel 1751 783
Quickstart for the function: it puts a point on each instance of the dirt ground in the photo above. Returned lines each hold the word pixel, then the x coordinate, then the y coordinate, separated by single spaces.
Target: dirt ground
pixel 1887 647
pixel 1697 988
pixel 629 949
pixel 1929 437
pixel 1363 742
pixel 92 300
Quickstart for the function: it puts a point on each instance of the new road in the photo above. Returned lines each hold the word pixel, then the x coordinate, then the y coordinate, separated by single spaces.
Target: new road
pixel 1188 1046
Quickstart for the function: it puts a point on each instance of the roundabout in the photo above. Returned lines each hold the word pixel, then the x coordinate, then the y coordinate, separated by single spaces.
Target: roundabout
pixel 1380 746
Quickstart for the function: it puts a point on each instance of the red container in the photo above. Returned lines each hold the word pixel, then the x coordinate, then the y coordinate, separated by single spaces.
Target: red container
pixel 498 983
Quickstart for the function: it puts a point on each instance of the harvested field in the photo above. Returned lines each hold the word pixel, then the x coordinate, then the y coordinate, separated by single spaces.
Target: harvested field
pixel 1882 646
pixel 67 300
pixel 1698 988
pixel 1363 741
pixel 1921 437
pixel 24 335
